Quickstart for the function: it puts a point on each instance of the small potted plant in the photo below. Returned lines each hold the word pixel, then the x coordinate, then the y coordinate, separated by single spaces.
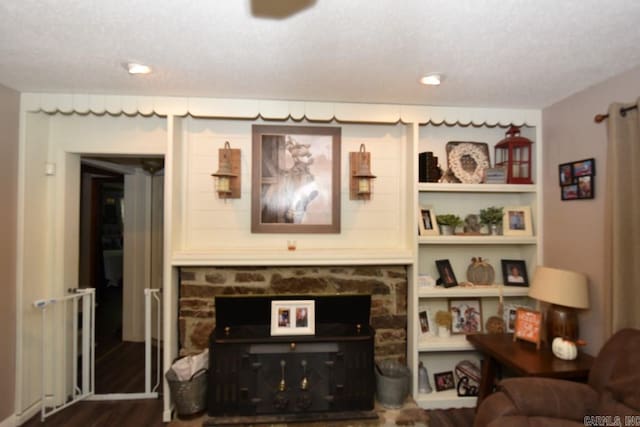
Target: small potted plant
pixel 443 320
pixel 492 217
pixel 448 223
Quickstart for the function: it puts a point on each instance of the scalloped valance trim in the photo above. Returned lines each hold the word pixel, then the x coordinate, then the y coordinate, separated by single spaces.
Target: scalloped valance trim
pixel 275 110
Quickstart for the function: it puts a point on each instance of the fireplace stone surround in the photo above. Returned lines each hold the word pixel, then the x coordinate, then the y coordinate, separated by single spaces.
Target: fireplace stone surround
pixel 387 286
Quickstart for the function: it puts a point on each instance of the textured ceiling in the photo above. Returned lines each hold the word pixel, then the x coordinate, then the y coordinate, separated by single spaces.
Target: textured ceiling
pixel 518 53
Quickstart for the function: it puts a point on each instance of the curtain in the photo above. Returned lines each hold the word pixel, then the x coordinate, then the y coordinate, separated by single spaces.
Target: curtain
pixel 623 219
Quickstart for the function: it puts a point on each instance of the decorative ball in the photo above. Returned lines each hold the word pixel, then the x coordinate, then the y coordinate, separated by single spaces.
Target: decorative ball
pixel 495 325
pixel 564 349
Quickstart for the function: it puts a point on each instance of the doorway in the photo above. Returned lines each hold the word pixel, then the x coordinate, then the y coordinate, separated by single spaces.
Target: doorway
pixel 120 245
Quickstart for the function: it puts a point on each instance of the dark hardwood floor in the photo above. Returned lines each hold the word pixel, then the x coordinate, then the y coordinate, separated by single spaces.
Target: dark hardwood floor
pixel 121 369
pixel 132 413
pixel 118 370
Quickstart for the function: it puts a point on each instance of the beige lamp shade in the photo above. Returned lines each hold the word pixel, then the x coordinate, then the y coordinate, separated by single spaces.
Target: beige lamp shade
pixel 560 287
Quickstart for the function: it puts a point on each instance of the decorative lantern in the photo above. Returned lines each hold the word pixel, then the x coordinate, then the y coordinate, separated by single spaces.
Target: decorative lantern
pixel 361 177
pixel 514 155
pixel 228 174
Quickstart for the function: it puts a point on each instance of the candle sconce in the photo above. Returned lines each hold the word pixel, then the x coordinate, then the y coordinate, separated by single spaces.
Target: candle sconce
pixel 361 183
pixel 228 174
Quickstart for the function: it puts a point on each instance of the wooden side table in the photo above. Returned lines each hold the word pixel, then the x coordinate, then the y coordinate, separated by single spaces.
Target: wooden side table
pixel 522 358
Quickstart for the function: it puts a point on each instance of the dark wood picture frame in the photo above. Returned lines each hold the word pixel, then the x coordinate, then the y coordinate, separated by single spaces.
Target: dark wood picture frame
pixel 514 272
pixel 576 179
pixel 444 381
pixel 295 183
pixel 447 277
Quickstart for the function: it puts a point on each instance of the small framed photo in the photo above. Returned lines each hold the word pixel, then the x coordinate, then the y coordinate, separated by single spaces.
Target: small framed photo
pixel 565 173
pixel 586 167
pixel 509 315
pixel 466 315
pixel 576 179
pixel 447 278
pixel 426 324
pixel 585 187
pixel 514 272
pixel 517 221
pixel 570 192
pixel 444 381
pixel 289 317
pixel 427 222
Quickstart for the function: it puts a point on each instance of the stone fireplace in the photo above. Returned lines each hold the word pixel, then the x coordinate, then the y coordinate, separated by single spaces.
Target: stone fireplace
pixel 387 286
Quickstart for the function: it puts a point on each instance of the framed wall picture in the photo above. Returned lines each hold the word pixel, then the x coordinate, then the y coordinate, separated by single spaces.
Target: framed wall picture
pixel 577 179
pixel 293 317
pixel 427 222
pixel 295 183
pixel 517 221
pixel 514 272
pixel 527 325
pixel 447 278
pixel 466 315
pixel 444 381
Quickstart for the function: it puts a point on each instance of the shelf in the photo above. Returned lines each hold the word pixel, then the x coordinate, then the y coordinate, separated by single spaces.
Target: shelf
pixel 477 240
pixel 444 399
pixel 256 257
pixel 472 291
pixel 431 343
pixel 476 188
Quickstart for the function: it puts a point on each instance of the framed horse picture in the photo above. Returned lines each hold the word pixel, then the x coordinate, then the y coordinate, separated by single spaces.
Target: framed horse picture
pixel 295 179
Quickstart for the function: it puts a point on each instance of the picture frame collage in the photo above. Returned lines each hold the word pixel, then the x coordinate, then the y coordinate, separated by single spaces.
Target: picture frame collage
pixel 577 179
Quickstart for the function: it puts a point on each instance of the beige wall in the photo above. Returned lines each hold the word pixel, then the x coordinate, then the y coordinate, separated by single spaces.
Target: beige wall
pixel 574 231
pixel 9 117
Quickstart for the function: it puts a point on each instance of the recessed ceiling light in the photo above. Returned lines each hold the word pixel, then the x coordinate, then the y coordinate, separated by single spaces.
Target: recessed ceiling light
pixel 135 68
pixel 433 79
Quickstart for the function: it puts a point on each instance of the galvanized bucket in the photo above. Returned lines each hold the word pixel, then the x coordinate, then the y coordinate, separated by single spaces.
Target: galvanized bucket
pixel 392 383
pixel 189 396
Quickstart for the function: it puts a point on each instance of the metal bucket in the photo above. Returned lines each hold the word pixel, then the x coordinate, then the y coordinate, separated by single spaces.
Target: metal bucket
pixel 189 396
pixel 392 383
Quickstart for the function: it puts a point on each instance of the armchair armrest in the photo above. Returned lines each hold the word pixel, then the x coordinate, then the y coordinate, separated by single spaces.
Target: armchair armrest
pixel 538 397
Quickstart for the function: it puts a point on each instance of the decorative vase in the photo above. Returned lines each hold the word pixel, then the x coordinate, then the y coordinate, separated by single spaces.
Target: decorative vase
pixel 443 332
pixel 494 230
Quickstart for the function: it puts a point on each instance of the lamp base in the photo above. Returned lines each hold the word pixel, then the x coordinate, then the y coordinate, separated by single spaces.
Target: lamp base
pixel 562 322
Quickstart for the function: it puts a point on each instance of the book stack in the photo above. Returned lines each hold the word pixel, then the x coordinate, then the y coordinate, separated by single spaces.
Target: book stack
pixel 495 176
pixel 428 170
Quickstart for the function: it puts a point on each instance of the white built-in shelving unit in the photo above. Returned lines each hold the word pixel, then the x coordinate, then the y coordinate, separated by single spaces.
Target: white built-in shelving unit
pixel 440 354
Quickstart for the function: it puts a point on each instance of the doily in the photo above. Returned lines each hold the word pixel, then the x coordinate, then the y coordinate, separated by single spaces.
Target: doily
pixel 480 159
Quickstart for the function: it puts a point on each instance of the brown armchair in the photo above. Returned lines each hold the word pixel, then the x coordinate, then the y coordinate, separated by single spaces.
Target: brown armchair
pixel 613 389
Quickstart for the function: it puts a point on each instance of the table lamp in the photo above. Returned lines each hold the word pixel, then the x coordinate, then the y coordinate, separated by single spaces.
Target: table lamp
pixel 565 291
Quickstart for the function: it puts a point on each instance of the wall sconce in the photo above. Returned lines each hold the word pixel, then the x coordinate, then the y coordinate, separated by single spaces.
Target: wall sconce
pixel 361 178
pixel 228 174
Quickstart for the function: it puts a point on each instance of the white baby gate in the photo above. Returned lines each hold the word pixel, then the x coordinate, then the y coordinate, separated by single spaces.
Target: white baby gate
pixel 68 355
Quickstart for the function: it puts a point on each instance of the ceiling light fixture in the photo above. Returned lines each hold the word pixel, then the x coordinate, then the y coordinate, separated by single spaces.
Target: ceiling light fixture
pixel 433 79
pixel 135 68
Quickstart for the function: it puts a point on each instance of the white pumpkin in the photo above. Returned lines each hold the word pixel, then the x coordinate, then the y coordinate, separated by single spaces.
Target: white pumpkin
pixel 564 349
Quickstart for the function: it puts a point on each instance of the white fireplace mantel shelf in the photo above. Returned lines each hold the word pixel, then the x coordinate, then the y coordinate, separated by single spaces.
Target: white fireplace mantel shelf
pixel 253 257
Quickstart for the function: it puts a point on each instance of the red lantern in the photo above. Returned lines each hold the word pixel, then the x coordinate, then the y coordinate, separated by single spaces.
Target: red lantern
pixel 514 154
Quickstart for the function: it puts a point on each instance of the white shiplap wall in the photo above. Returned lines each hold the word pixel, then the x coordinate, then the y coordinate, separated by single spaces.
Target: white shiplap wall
pixel 212 224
